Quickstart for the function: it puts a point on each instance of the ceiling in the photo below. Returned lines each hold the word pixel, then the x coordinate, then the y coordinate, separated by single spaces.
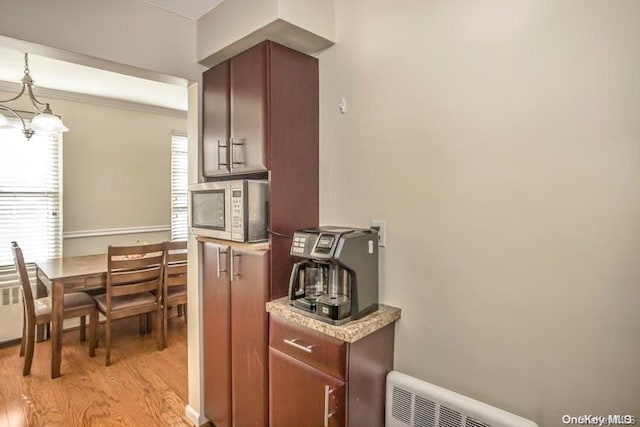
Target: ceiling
pixel 55 74
pixel 70 77
pixel 193 9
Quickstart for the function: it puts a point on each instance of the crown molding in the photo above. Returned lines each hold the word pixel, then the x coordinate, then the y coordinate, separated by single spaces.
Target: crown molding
pixel 96 100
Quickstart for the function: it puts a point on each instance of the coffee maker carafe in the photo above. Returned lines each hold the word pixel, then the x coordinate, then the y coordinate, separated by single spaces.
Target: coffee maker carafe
pixel 337 280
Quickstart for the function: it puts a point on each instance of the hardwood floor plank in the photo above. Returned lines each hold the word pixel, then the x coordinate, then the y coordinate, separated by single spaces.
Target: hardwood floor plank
pixel 143 386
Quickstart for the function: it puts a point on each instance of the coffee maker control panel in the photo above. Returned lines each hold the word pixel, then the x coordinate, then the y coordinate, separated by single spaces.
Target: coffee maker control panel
pixel 317 246
pixel 303 244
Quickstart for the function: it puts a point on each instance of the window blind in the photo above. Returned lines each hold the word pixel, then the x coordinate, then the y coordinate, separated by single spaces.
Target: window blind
pixel 30 210
pixel 179 187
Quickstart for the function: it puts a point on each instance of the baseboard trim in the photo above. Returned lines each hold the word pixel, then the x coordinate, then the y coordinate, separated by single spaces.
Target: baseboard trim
pixel 195 417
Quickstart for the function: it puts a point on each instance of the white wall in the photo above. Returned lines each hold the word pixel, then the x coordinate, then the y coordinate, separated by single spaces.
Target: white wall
pixel 500 141
pixel 124 31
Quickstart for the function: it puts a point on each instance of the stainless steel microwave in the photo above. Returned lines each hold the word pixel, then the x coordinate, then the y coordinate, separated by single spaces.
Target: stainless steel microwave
pixel 230 210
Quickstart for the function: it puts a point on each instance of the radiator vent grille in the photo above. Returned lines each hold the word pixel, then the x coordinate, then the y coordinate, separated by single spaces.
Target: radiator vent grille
pixel 425 413
pixel 401 405
pixel 10 295
pixel 449 417
pixel 415 403
pixel 475 423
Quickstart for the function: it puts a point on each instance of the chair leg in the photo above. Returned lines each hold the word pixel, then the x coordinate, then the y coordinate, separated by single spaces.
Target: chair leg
pixel 143 324
pixel 83 328
pixel 148 322
pixel 93 329
pixel 108 341
pixel 24 332
pixel 159 327
pixel 47 331
pixel 184 310
pixel 179 310
pixel 31 337
pixel 164 326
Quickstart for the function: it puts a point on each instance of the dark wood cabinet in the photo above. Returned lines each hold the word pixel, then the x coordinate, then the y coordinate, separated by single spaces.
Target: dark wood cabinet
pixel 305 396
pixel 260 116
pixel 235 106
pixel 215 129
pixel 318 381
pixel 235 290
pixel 264 99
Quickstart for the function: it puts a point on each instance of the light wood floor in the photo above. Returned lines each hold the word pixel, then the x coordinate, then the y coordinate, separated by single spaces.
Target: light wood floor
pixel 142 387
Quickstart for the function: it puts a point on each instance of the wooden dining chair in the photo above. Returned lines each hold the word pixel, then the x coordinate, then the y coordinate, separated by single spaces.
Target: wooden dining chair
pixel 133 272
pixel 174 283
pixel 38 312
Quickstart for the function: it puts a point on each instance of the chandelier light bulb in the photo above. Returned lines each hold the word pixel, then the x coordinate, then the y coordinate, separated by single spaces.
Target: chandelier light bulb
pixel 44 120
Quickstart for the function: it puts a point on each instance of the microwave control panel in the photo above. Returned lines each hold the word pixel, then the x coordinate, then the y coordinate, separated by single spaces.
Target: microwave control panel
pixel 237 220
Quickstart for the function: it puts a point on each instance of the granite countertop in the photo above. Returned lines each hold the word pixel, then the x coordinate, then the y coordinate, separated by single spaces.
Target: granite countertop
pixel 349 332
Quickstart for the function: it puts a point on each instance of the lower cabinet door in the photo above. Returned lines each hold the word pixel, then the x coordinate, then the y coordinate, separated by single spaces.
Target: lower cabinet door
pixel 216 318
pixel 300 395
pixel 249 275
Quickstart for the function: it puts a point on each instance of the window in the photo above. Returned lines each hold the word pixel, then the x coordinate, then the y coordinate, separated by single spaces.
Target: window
pixel 179 193
pixel 30 210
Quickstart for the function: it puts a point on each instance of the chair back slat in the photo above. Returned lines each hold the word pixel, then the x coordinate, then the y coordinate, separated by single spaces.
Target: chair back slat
pixel 133 289
pixel 175 267
pixel 118 263
pixel 134 269
pixel 135 250
pixel 23 278
pixel 130 277
pixel 176 281
pixel 176 257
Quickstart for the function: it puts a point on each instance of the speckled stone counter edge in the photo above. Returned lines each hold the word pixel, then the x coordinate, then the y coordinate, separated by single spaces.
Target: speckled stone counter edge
pixel 349 332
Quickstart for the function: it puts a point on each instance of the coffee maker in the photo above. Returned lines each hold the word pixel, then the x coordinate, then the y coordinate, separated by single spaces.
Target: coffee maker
pixel 337 280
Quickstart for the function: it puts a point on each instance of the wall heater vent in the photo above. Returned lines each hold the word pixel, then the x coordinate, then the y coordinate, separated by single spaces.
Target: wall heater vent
pixel 10 295
pixel 415 403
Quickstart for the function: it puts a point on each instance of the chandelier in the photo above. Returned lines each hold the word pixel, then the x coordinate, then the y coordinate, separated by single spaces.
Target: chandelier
pixel 43 122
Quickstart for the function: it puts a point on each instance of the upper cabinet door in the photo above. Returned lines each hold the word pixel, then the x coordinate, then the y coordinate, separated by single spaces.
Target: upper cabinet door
pixel 215 127
pixel 248 147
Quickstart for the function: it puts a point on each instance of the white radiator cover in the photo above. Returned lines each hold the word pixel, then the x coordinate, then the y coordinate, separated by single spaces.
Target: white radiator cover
pixel 415 403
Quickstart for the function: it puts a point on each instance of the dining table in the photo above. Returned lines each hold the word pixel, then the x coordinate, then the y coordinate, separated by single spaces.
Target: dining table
pixel 64 275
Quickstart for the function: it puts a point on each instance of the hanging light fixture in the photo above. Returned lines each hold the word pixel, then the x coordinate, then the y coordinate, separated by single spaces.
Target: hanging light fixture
pixel 43 122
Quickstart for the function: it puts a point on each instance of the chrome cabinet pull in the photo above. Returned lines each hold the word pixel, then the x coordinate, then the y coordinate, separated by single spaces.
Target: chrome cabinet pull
pixel 218 269
pixel 231 263
pixel 327 392
pixel 233 144
pixel 219 162
pixel 293 343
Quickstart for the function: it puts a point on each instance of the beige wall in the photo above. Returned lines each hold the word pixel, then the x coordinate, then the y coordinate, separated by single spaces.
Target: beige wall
pixel 500 141
pixel 116 173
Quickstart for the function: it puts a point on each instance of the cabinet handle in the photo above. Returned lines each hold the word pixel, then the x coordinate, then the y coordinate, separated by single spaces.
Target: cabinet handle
pixel 233 144
pixel 327 392
pixel 219 162
pixel 231 263
pixel 293 343
pixel 218 269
